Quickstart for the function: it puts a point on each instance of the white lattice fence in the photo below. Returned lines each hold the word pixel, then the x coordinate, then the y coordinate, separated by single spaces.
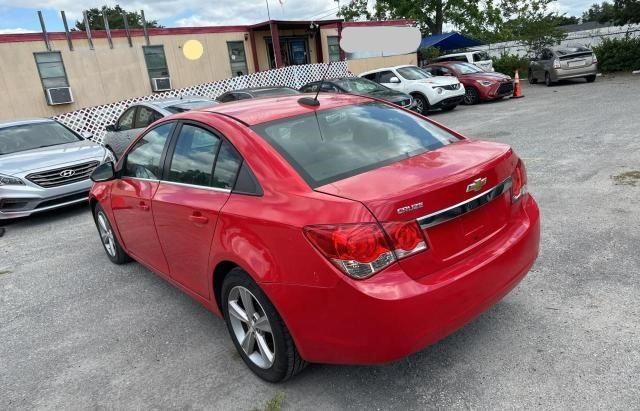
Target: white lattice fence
pixel 94 119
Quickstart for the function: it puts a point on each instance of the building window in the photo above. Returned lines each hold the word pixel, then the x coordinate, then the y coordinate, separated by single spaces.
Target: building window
pixel 334 48
pixel 237 58
pixel 51 69
pixel 157 67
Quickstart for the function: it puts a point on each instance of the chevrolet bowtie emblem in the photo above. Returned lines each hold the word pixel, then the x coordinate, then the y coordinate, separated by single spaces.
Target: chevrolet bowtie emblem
pixel 477 184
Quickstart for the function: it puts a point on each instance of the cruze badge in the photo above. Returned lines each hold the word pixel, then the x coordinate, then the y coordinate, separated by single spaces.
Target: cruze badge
pixel 411 207
pixel 477 184
pixel 67 173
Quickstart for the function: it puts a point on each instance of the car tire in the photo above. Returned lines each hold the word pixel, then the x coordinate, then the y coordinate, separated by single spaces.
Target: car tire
pixel 272 355
pixel 547 80
pixel 421 102
pixel 532 80
pixel 471 96
pixel 110 242
pixel 590 79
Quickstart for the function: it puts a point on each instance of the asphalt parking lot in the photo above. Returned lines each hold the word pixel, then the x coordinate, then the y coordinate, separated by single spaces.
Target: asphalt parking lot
pixel 77 332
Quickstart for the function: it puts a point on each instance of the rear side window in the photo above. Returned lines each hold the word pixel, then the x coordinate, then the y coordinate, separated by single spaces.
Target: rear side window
pixel 371 76
pixel 145 117
pixel 482 56
pixel 143 161
pixel 193 157
pixel 227 166
pixel 334 144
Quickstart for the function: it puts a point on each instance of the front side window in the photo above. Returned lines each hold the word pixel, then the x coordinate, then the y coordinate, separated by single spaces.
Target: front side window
pixel 145 117
pixel 143 161
pixel 156 62
pixel 413 73
pixel 194 156
pixel 126 119
pixel 37 135
pixel 333 144
pixel 51 69
pixel 386 76
pixel 237 58
pixel 334 48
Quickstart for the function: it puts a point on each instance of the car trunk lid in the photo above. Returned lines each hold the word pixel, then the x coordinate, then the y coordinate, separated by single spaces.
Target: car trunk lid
pixel 458 193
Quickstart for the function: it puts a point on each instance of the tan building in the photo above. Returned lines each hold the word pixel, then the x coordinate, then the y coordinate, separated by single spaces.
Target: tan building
pixel 61 72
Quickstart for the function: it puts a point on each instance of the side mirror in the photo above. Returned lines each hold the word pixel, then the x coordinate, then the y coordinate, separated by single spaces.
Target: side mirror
pixel 104 172
pixel 86 135
pixel 394 80
pixel 111 127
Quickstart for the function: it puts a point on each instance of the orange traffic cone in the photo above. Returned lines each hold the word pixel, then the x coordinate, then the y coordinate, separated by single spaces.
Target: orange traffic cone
pixel 517 89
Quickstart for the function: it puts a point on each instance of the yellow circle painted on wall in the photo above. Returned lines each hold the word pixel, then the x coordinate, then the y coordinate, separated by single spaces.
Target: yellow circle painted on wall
pixel 192 49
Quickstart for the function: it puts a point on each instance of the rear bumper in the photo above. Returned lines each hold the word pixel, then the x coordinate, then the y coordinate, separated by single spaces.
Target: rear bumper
pixel 564 74
pixel 391 315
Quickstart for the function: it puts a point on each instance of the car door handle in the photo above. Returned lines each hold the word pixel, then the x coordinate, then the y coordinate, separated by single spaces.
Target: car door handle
pixel 198 218
pixel 143 206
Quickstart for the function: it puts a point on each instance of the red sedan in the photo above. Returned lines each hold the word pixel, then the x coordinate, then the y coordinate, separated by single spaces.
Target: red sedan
pixel 352 231
pixel 479 85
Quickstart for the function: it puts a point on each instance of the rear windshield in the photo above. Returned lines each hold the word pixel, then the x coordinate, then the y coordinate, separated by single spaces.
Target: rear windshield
pixel 330 145
pixel 36 135
pixel 573 50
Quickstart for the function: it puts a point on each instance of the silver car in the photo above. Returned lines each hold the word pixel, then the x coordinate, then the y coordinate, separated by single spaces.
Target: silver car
pixel 44 165
pixel 561 63
pixel 139 116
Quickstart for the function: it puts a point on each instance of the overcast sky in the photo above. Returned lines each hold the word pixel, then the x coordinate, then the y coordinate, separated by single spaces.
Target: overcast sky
pixel 172 13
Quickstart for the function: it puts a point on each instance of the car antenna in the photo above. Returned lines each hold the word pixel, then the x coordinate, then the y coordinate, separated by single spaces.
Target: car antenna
pixel 313 101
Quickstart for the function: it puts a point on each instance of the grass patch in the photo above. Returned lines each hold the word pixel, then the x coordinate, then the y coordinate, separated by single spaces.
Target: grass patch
pixel 630 178
pixel 275 403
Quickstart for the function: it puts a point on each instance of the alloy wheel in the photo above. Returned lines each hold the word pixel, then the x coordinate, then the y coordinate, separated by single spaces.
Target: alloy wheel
pixel 419 105
pixel 470 96
pixel 106 234
pixel 251 327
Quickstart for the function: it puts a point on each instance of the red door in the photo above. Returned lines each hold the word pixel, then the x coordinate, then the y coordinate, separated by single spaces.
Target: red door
pixel 196 185
pixel 131 197
pixel 185 220
pixel 131 204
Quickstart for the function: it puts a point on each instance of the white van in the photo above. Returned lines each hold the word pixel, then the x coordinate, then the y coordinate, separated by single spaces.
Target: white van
pixel 477 57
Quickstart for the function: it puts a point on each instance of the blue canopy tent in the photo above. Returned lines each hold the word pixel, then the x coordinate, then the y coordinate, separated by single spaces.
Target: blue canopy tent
pixel 449 41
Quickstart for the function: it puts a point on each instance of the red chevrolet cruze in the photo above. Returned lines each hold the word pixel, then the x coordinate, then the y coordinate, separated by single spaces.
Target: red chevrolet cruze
pixel 352 231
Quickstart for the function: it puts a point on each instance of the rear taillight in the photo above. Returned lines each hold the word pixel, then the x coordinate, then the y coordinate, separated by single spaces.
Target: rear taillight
pixel 361 250
pixel 556 63
pixel 406 237
pixel 519 182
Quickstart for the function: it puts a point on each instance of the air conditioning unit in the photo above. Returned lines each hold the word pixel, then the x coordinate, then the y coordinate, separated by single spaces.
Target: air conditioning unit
pixel 161 83
pixel 59 95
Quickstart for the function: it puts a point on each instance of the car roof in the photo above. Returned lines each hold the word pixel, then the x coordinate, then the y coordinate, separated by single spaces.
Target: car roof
pixel 263 110
pixel 254 89
pixel 12 123
pixel 168 102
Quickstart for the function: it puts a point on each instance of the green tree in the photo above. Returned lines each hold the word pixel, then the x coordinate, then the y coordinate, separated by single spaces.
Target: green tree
pixel 114 17
pixel 603 13
pixel 619 12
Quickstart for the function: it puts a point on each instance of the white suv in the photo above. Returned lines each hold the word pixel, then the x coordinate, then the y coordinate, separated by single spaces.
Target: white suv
pixel 477 57
pixel 429 92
